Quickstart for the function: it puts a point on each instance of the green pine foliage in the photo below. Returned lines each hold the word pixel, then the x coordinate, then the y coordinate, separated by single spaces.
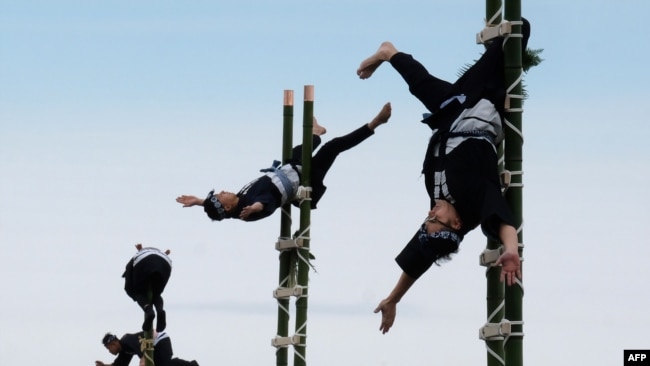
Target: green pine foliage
pixel 531 58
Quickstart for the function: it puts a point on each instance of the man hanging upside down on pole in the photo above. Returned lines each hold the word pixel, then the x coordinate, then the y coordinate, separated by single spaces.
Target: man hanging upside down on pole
pixel 261 197
pixel 460 166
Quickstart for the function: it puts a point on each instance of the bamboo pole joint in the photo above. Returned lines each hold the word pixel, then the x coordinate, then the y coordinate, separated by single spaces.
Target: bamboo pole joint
pixel 495 331
pixel 285 341
pixel 289 243
pixel 493 31
pixel 490 256
pixel 303 194
pixel 287 292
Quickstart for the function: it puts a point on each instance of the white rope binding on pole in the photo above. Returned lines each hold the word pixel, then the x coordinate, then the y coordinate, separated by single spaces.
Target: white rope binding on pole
pixel 302 248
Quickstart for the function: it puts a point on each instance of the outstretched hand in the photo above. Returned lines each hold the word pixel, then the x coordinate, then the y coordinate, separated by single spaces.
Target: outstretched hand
pixel 189 201
pixel 251 209
pixel 510 266
pixel 388 311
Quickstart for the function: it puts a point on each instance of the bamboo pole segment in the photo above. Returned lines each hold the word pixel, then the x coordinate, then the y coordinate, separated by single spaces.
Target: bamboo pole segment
pixel 493 12
pixel 305 218
pixel 281 353
pixel 146 344
pixel 495 288
pixel 513 160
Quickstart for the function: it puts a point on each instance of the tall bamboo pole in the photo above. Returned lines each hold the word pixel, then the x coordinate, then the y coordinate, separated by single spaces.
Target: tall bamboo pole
pixel 305 218
pixel 495 288
pixel 514 163
pixel 281 353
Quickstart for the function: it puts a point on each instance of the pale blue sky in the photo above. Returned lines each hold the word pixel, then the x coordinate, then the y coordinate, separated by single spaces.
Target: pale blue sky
pixel 110 109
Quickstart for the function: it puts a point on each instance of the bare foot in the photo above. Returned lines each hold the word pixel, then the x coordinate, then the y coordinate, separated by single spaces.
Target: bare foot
pixel 317 129
pixel 382 117
pixel 368 66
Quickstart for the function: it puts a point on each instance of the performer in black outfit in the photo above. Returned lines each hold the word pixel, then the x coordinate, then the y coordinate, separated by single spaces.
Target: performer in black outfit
pixel 460 166
pixel 129 345
pixel 147 274
pixel 261 197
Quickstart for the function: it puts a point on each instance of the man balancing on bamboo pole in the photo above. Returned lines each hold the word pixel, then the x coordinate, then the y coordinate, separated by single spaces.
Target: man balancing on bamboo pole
pixel 145 277
pixel 261 197
pixel 460 166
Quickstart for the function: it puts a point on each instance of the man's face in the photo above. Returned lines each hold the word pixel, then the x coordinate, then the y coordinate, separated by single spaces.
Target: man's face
pixel 114 347
pixel 227 199
pixel 442 216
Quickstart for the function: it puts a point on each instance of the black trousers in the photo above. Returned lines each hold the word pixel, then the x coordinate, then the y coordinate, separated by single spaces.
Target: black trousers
pixel 485 75
pixel 484 79
pixel 324 158
pixel 151 273
pixel 163 354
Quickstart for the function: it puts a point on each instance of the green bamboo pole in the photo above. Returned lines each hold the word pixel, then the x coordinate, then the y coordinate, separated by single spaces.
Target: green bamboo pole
pixel 147 342
pixel 493 12
pixel 495 288
pixel 514 163
pixel 281 353
pixel 305 218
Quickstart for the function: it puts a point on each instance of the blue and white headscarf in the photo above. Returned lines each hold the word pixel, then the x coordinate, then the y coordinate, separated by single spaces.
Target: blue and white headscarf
pixel 213 207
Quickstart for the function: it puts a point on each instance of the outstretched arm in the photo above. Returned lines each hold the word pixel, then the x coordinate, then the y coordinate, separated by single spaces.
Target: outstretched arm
pixel 388 306
pixel 509 260
pixel 189 201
